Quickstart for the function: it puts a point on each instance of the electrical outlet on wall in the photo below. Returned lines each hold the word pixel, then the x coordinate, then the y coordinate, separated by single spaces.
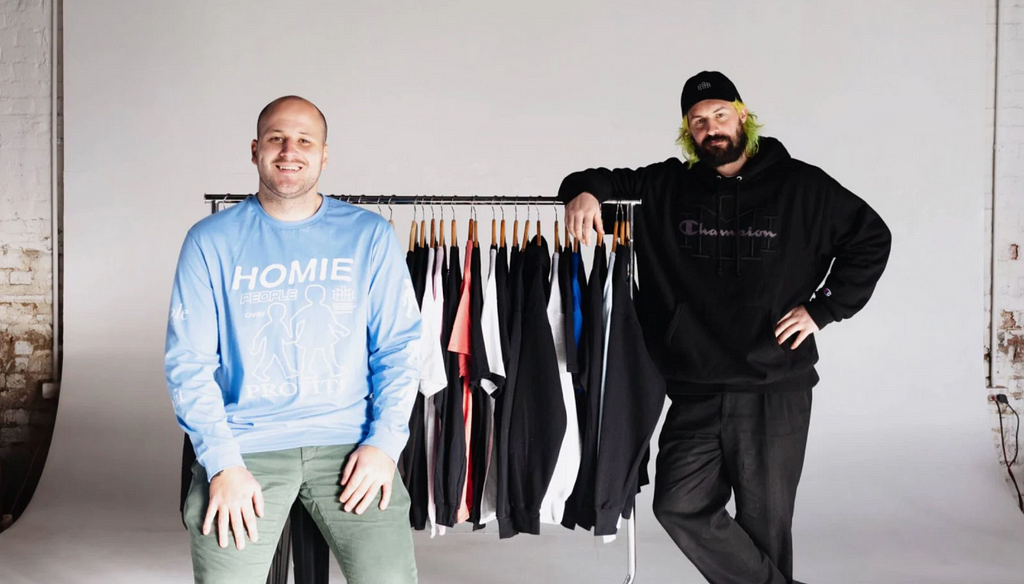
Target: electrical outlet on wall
pixel 51 389
pixel 1004 403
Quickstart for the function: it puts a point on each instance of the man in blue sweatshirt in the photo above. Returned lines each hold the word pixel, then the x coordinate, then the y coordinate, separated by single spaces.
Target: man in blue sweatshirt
pixel 292 365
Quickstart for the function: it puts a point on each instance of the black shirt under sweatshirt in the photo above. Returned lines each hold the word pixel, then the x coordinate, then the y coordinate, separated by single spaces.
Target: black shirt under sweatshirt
pixel 722 259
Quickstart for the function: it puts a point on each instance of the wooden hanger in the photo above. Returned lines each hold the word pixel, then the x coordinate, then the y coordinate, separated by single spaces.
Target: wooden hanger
pixel 413 232
pixel 442 226
pixel 515 229
pixel 615 234
pixel 538 227
pixel 433 234
pixel 476 230
pixel 503 228
pixel 423 229
pixel 526 231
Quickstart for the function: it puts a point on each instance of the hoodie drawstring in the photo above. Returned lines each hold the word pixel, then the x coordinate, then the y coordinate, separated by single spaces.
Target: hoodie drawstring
pixel 736 222
pixel 718 225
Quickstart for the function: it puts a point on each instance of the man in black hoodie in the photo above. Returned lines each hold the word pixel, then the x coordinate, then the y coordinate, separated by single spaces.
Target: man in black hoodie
pixel 732 246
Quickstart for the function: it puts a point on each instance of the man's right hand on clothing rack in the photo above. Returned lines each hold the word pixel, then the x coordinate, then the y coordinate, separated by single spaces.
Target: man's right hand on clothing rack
pixel 581 213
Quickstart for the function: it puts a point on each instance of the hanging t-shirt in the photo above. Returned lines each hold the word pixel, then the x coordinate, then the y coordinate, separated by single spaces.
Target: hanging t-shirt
pixel 532 447
pixel 505 397
pixel 580 506
pixel 635 390
pixel 450 468
pixel 461 343
pixel 501 285
pixel 579 284
pixel 491 329
pixel 433 319
pixel 496 366
pixel 568 464
pixel 432 380
pixel 412 465
pixel 482 409
pixel 606 320
pixel 565 277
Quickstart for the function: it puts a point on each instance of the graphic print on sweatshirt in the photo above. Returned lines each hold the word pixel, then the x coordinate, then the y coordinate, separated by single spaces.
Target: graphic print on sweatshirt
pixel 295 316
pixel 719 234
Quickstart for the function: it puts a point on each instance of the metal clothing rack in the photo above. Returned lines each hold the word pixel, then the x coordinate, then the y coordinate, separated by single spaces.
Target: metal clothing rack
pixel 219 201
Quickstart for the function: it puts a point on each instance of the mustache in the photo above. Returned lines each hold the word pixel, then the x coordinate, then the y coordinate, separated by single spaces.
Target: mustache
pixel 715 139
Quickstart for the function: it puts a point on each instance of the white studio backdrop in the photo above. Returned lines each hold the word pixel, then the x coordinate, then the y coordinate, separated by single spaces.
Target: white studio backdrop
pixel 467 98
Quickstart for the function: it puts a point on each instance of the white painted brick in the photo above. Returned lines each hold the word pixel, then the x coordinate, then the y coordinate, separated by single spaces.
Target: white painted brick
pixel 23 106
pixel 40 362
pixel 21 278
pixel 15 381
pixel 1009 210
pixel 16 418
pixel 10 258
pixel 23 348
pixel 23 298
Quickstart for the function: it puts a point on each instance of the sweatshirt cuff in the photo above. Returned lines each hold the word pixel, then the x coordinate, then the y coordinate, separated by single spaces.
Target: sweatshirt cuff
pixel 214 462
pixel 579 182
pixel 391 445
pixel 607 522
pixel 820 314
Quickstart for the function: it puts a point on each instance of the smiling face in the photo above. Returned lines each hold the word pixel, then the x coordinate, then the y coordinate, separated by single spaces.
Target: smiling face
pixel 290 149
pixel 717 130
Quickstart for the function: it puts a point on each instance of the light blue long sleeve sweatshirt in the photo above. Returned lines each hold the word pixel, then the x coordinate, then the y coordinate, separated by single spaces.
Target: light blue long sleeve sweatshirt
pixel 289 334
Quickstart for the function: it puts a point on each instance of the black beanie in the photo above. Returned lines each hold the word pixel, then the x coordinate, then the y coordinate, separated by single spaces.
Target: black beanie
pixel 707 85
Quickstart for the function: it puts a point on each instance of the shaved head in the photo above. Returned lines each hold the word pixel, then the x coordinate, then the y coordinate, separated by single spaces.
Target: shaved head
pixel 269 109
pixel 290 149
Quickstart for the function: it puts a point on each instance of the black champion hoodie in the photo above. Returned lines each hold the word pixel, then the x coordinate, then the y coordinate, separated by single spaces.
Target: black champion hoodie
pixel 721 260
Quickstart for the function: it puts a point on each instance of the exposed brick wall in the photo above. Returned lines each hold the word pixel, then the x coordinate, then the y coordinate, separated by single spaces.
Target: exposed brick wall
pixel 26 323
pixel 1007 296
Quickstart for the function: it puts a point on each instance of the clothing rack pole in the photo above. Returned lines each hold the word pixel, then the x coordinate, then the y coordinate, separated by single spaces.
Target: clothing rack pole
pixel 631 522
pixel 216 201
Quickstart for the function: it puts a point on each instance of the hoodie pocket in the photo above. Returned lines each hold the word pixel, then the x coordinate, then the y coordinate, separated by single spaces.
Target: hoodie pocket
pixel 723 344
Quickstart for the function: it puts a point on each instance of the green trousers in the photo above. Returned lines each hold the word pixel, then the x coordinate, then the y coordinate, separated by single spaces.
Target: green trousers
pixel 372 548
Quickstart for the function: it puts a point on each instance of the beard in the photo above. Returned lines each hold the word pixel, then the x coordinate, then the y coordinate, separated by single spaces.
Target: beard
pixel 721 150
